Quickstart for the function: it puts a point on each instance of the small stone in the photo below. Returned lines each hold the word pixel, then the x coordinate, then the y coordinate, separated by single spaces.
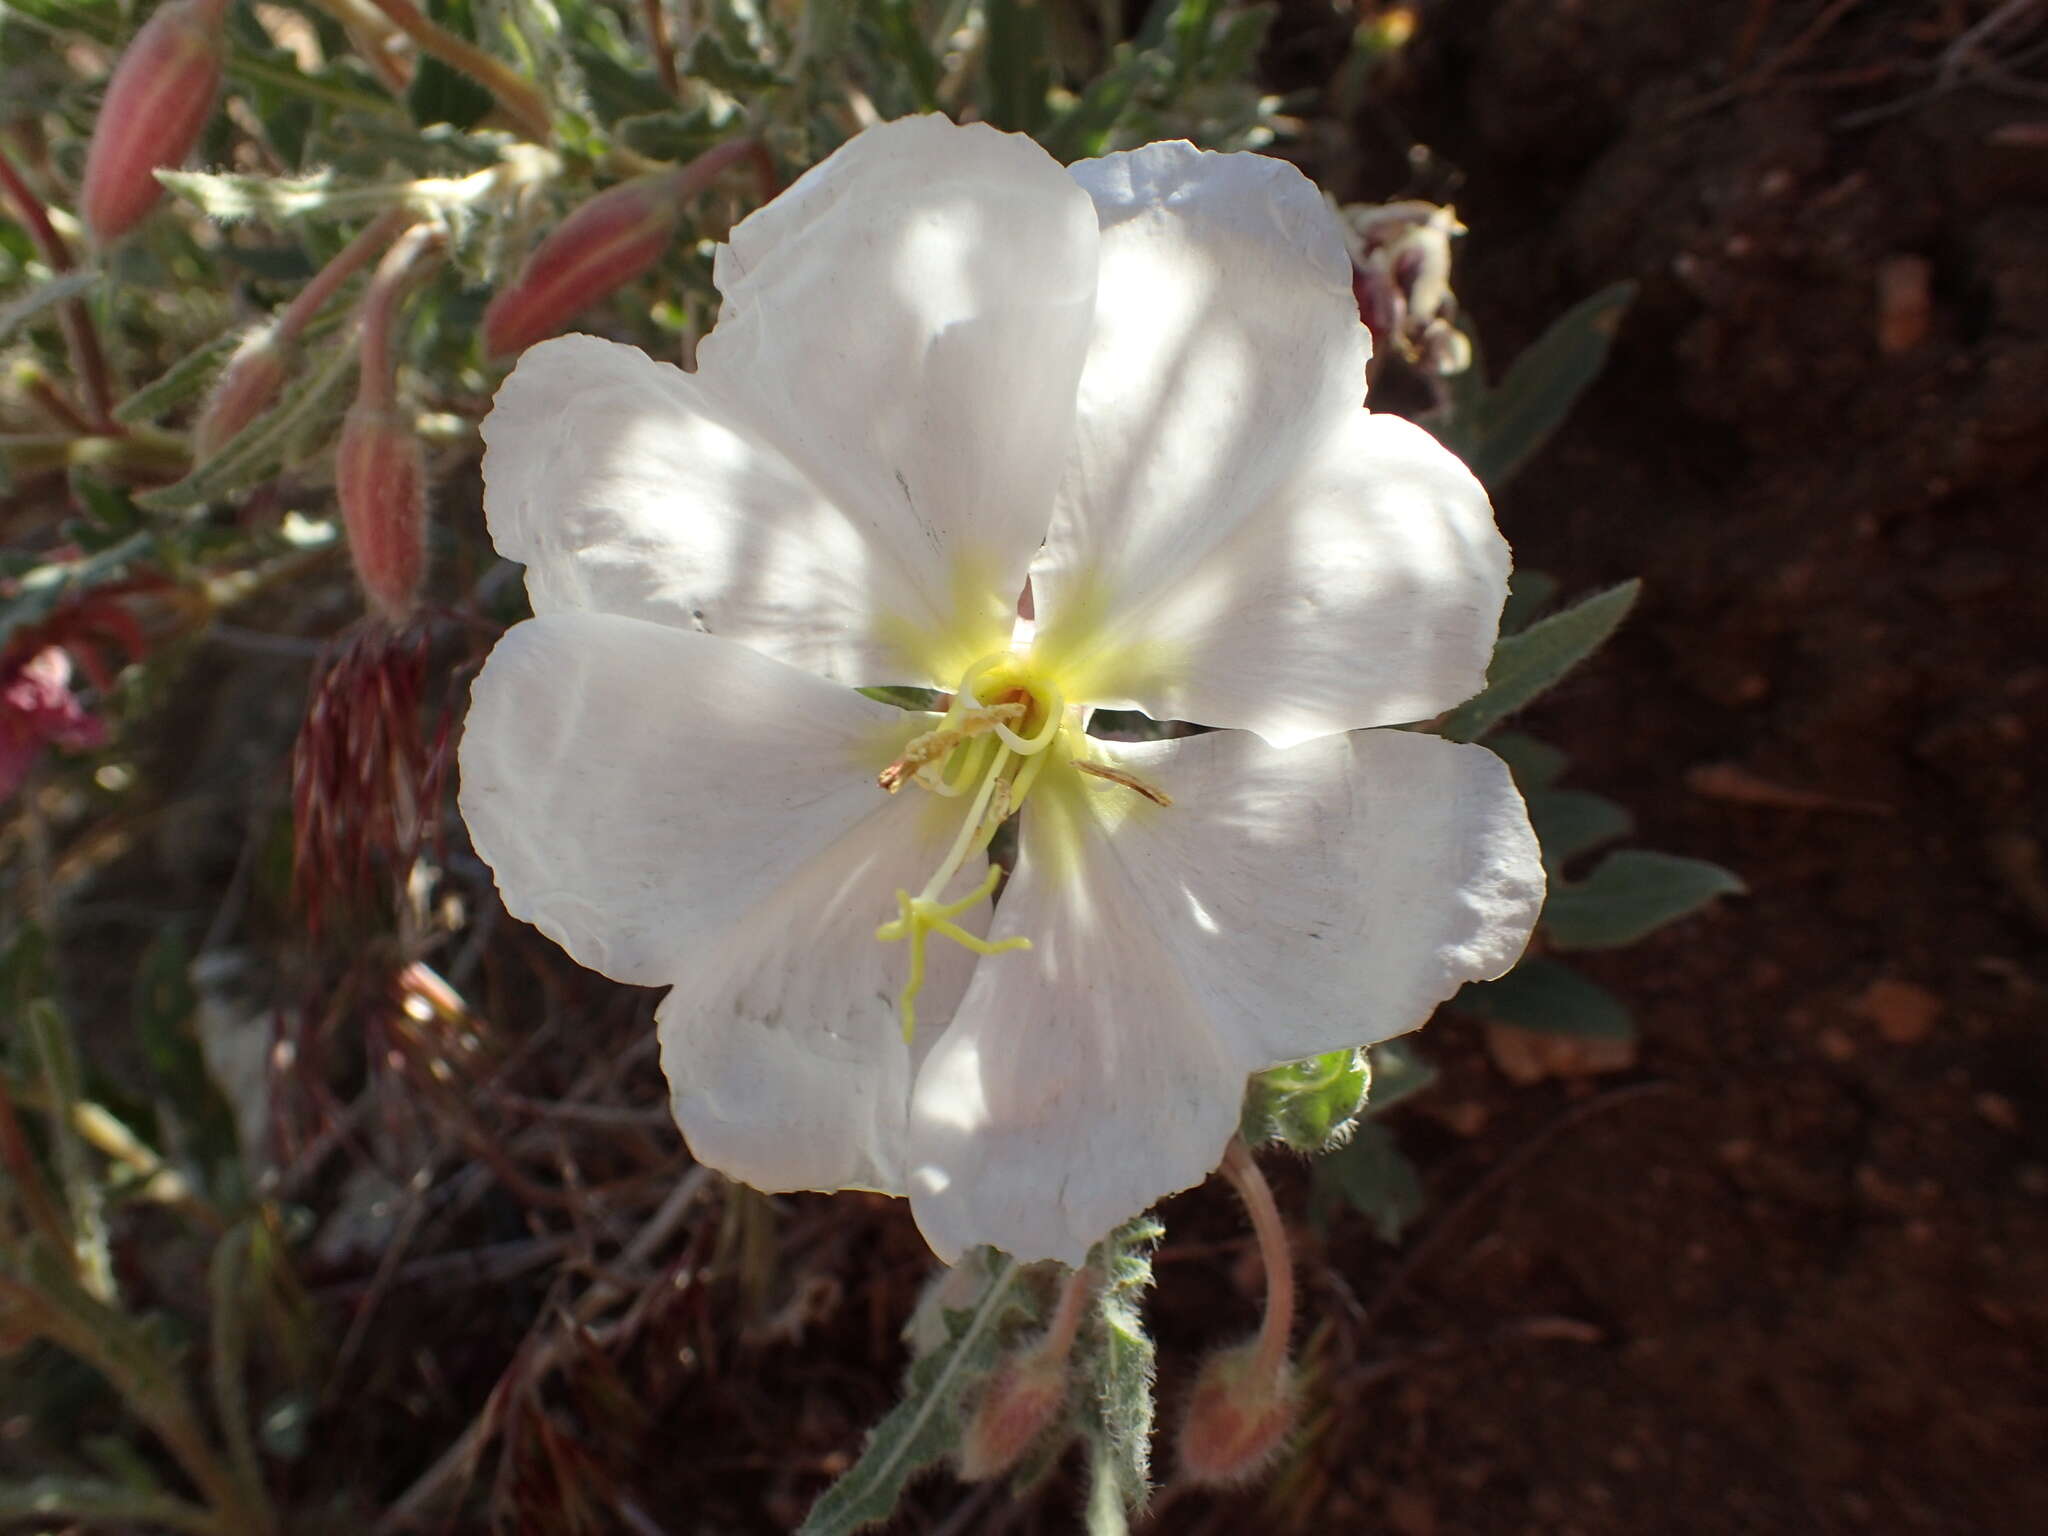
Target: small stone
pixel 1836 1045
pixel 1525 1056
pixel 1996 1109
pixel 1903 1013
pixel 1905 303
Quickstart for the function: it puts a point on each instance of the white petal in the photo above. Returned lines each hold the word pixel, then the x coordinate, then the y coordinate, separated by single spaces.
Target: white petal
pixel 855 479
pixel 674 808
pixel 1288 902
pixel 629 487
pixel 913 314
pixel 1237 541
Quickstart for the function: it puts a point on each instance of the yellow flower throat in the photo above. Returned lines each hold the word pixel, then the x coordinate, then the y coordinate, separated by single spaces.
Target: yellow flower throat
pixel 1005 724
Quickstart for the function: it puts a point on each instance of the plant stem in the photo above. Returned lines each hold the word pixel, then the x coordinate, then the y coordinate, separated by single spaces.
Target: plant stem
pixel 1278 1325
pixel 658 40
pixel 403 266
pixel 520 100
pixel 81 337
pixel 348 261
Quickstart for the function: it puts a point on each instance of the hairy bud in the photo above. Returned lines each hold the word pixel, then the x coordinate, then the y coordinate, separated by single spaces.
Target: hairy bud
pixel 1239 1415
pixel 246 388
pixel 380 480
pixel 158 100
pixel 1023 1397
pixel 596 251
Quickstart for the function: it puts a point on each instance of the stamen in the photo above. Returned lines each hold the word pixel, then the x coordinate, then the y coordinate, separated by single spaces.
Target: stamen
pixel 1128 780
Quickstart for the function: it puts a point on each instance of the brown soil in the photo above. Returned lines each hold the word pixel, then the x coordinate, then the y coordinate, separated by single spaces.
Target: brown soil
pixel 1796 1281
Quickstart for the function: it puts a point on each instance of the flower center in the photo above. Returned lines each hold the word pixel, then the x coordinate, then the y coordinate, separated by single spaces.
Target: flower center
pixel 990 748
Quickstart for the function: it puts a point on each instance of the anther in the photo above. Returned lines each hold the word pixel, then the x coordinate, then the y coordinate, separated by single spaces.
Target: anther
pixel 932 746
pixel 1128 780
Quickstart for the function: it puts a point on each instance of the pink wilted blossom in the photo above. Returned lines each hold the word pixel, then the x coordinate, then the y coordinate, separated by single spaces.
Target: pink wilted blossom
pixel 38 709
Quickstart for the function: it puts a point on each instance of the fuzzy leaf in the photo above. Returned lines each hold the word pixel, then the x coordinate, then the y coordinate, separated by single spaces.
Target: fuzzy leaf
pixel 1016 65
pixel 1524 666
pixel 440 93
pixel 1120 1367
pixel 228 196
pixel 178 383
pixel 60 289
pixel 1305 1103
pixel 1632 893
pixel 1549 998
pixel 925 1426
pixel 1373 1176
pixel 1529 593
pixel 1570 822
pixel 262 446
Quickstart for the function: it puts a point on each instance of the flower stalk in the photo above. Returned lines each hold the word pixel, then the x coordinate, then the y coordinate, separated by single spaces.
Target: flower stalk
pixel 1244 1400
pixel 249 384
pixel 379 468
pixel 1025 1393
pixel 81 337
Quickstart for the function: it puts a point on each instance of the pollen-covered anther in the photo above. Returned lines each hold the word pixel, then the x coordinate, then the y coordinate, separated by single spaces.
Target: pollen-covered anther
pixel 1127 779
pixel 932 747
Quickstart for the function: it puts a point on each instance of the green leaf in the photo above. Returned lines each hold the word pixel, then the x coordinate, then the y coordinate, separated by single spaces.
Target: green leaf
pixel 60 289
pixel 1529 593
pixel 165 1005
pixel 1550 998
pixel 1084 129
pixel 1307 1103
pixel 715 61
pixel 1016 65
pixel 926 1425
pixel 1632 893
pixel 1371 1175
pixel 440 94
pixel 1399 1071
pixel 1119 1365
pixel 1524 666
pixel 178 383
pixel 1104 1514
pixel 262 446
pixel 63 1500
pixel 1499 431
pixel 56 1053
pixel 618 91
pixel 676 136
pixel 1570 822
pixel 1535 764
pixel 228 196
pixel 904 42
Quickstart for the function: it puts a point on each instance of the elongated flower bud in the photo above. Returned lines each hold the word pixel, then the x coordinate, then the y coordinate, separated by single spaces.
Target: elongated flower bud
pixel 380 479
pixel 246 388
pixel 158 100
pixel 1238 1416
pixel 596 251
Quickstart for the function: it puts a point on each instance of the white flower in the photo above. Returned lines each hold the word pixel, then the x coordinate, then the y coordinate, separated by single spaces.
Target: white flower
pixel 944 364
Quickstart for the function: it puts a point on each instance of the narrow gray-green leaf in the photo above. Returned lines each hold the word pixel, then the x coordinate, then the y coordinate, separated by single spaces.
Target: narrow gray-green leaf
pixel 1524 666
pixel 1632 893
pixel 1550 998
pixel 1104 1515
pixel 259 448
pixel 1399 1071
pixel 1515 418
pixel 919 1430
pixel 1570 822
pixel 228 197
pixel 60 289
pixel 1535 764
pixel 227 1278
pixel 1373 1176
pixel 57 1061
pixel 178 383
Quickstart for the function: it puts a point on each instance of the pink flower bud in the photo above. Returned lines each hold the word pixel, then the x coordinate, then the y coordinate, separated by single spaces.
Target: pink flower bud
pixel 597 250
pixel 156 103
pixel 246 388
pixel 1239 1415
pixel 1022 1398
pixel 380 478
